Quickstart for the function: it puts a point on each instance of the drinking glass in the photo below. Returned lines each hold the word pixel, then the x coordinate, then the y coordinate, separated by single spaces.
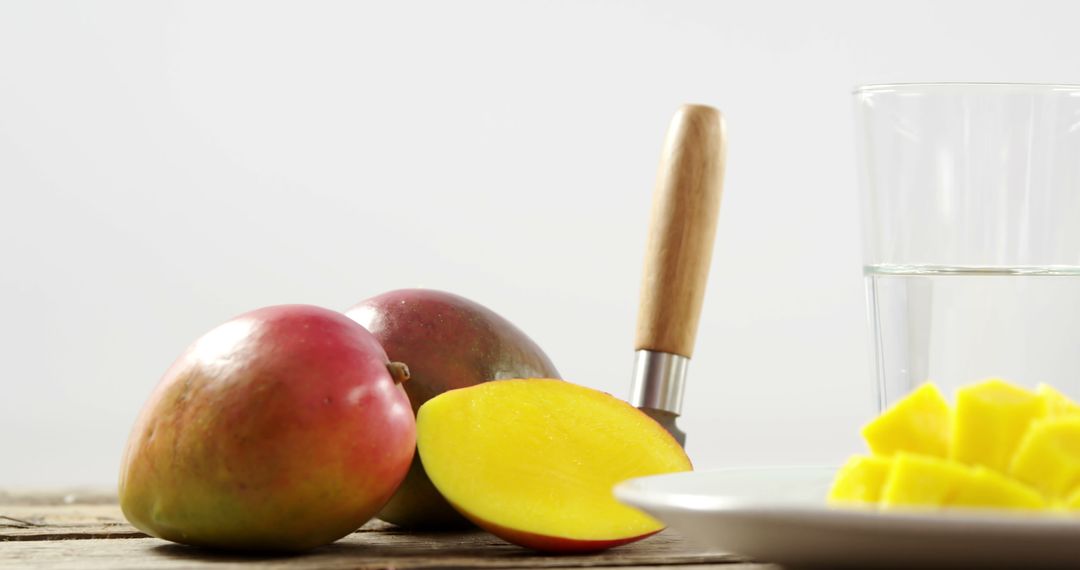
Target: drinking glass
pixel 971 233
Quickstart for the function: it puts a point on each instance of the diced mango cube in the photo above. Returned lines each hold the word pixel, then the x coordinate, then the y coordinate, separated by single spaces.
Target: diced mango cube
pixel 1072 501
pixel 922 481
pixel 1056 403
pixel 989 420
pixel 919 423
pixel 1048 457
pixel 988 488
pixel 860 480
pixel 1002 447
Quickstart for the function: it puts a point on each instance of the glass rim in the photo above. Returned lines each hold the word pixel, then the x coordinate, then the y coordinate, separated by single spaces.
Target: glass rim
pixel 874 87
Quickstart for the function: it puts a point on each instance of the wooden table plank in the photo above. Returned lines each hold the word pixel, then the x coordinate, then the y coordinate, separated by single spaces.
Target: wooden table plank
pixel 360 550
pixel 55 522
pixel 89 531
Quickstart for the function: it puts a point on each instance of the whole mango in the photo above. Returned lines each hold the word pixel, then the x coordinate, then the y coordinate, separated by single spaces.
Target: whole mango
pixel 285 428
pixel 449 342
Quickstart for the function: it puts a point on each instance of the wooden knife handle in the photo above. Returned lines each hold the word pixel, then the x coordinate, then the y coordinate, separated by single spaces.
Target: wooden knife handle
pixel 682 230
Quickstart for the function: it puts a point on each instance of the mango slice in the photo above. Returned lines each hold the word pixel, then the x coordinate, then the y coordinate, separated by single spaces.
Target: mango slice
pixel 922 481
pixel 534 461
pixel 919 423
pixel 1055 403
pixel 989 420
pixel 860 480
pixel 1048 457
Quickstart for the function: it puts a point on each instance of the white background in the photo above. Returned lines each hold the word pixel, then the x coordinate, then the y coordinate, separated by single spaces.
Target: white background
pixel 164 167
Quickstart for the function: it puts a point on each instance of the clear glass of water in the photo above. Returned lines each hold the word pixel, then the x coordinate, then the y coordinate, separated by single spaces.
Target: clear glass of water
pixel 971 233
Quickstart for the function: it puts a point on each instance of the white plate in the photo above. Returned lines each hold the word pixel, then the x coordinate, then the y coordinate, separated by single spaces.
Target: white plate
pixel 779 515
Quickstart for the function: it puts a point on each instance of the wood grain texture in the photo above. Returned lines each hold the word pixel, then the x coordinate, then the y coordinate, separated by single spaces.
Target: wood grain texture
pixel 47 532
pixel 359 550
pixel 682 229
pixel 75 514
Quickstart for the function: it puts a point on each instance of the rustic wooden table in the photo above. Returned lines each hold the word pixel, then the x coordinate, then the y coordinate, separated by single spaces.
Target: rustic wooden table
pixel 87 531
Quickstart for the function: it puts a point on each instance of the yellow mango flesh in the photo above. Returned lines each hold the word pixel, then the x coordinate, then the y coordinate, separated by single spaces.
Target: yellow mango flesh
pixel 1072 502
pixel 1004 447
pixel 1048 456
pixel 534 461
pixel 860 480
pixel 988 488
pixel 919 423
pixel 989 420
pixel 922 481
pixel 1055 403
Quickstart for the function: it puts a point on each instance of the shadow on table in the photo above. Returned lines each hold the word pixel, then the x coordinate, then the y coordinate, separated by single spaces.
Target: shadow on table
pixel 384 546
pixel 200 554
pixel 417 549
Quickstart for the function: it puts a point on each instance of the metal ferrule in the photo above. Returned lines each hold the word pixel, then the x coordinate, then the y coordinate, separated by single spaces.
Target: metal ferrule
pixel 659 380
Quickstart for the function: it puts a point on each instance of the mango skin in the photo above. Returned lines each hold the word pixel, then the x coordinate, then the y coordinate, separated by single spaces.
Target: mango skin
pixel 551 544
pixel 281 429
pixel 448 342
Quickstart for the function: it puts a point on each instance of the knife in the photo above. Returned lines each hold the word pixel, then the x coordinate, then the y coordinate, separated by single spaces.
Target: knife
pixel 682 229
